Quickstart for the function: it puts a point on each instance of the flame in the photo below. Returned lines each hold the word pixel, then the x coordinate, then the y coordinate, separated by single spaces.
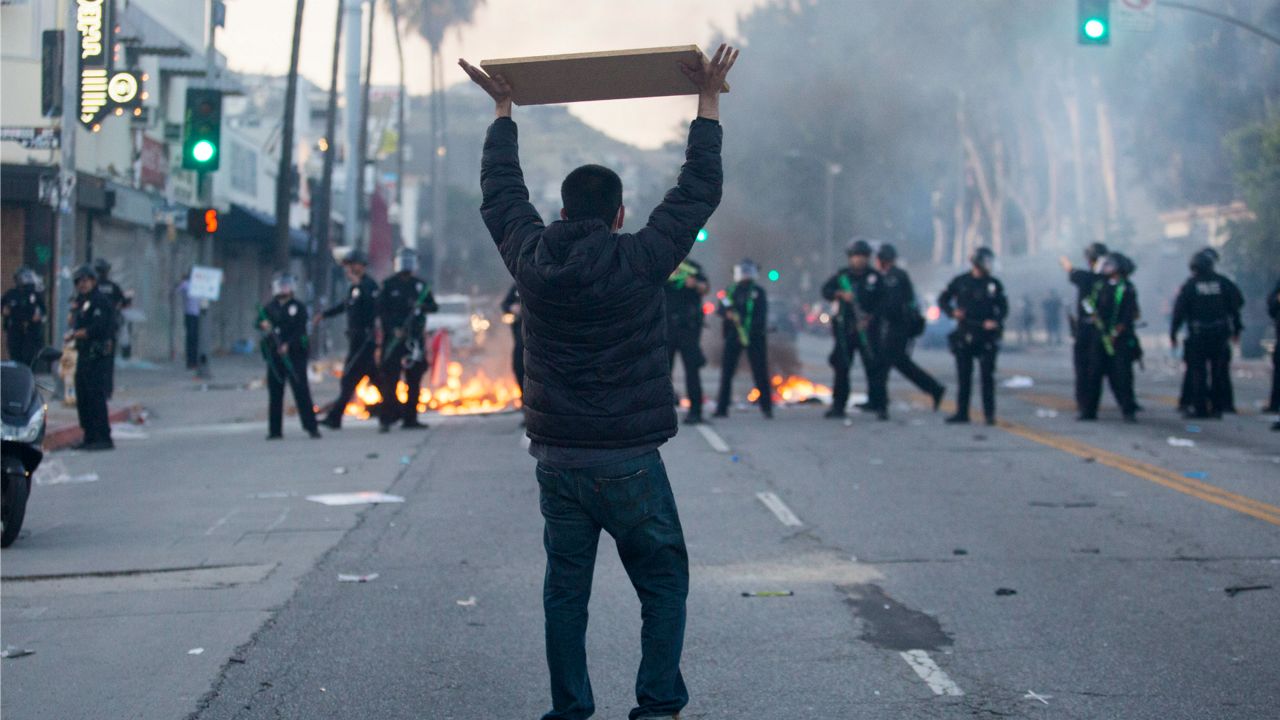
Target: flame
pixel 796 389
pixel 460 395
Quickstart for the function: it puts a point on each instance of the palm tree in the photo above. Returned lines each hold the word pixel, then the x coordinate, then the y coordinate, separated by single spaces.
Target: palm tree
pixel 432 19
pixel 285 178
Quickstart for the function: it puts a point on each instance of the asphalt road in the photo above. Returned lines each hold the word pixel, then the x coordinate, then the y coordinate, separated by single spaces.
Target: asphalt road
pixel 1039 568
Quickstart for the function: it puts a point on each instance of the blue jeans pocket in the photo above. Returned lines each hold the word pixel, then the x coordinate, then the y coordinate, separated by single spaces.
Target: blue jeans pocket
pixel 625 501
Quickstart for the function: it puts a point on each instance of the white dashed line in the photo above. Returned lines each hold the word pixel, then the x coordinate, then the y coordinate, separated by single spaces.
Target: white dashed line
pixel 221 521
pixel 716 442
pixel 928 670
pixel 779 509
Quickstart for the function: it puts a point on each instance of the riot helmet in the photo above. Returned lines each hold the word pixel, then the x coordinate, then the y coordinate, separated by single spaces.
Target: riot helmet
pixel 102 266
pixel 406 261
pixel 1202 262
pixel 984 259
pixel 746 270
pixel 84 272
pixel 283 283
pixel 858 246
pixel 1093 252
pixel 887 253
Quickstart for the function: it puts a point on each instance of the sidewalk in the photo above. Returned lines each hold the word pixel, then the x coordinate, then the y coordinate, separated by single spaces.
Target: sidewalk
pixel 168 393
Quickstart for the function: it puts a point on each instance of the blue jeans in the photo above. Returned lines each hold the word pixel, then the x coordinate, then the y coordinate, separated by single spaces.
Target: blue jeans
pixel 631 501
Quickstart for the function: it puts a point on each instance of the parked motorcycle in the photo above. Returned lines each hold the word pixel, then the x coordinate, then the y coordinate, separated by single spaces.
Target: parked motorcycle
pixel 21 441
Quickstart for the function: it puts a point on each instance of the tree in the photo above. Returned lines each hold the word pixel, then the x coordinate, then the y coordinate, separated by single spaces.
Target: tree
pixel 432 19
pixel 1253 253
pixel 284 181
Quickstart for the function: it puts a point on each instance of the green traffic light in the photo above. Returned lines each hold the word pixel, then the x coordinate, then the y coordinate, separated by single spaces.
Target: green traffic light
pixel 1095 29
pixel 703 235
pixel 774 276
pixel 203 151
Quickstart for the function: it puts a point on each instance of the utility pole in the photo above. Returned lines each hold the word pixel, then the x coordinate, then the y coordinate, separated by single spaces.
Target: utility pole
pixel 66 197
pixel 284 181
pixel 352 225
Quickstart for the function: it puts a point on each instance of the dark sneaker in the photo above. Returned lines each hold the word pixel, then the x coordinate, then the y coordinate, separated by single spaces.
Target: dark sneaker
pixel 720 414
pixel 1086 418
pixel 332 423
pixel 384 428
pixel 98 446
pixel 275 436
pixel 958 420
pixel 314 434
pixel 414 425
pixel 693 419
pixel 834 414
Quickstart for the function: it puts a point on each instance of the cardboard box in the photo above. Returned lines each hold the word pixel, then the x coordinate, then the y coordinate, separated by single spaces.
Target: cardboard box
pixel 613 75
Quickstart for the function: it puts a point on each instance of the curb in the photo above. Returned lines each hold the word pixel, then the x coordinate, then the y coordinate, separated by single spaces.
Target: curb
pixel 64 436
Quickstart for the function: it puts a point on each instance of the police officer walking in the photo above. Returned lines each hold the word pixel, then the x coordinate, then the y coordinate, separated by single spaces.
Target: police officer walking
pixel 684 291
pixel 92 329
pixel 361 309
pixel 511 311
pixel 1209 305
pixel 745 309
pixel 1083 330
pixel 900 322
pixel 1115 347
pixel 976 301
pixel 403 305
pixel 24 314
pixel 283 322
pixel 855 290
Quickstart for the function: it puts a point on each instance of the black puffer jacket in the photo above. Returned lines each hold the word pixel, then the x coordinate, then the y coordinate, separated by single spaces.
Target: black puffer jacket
pixel 598 373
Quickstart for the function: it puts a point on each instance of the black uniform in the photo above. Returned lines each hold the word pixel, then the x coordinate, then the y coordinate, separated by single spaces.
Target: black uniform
pixel 749 333
pixel 24 314
pixel 1273 309
pixel 361 309
pixel 1115 347
pixel 118 301
pixel 288 320
pixel 1083 331
pixel 900 322
pixel 1209 304
pixel 1052 307
pixel 509 304
pixel 403 305
pixel 981 299
pixel 92 312
pixel 854 329
pixel 684 329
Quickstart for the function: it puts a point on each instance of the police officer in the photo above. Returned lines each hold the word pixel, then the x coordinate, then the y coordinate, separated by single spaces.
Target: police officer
pixel 118 301
pixel 855 291
pixel 511 315
pixel 1115 346
pixel 684 291
pixel 403 305
pixel 745 309
pixel 91 330
pixel 361 309
pixel 1273 309
pixel 900 322
pixel 24 313
pixel 1083 330
pixel 283 322
pixel 1209 304
pixel 976 301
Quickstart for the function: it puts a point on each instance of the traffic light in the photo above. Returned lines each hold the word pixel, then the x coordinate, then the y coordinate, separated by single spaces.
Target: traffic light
pixel 202 220
pixel 774 276
pixel 202 134
pixel 1093 21
pixel 703 235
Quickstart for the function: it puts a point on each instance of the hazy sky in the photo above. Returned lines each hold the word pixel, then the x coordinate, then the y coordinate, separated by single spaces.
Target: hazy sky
pixel 257 37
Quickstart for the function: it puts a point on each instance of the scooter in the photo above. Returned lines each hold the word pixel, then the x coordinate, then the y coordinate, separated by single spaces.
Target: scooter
pixel 21 440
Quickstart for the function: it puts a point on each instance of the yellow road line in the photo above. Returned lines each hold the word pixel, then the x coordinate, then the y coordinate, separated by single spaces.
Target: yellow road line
pixel 1146 471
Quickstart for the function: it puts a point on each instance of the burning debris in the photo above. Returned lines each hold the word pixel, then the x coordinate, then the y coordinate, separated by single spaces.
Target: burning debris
pixel 795 390
pixel 460 394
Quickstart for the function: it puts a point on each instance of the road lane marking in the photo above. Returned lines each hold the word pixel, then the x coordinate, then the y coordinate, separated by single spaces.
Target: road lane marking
pixel 937 680
pixel 1152 473
pixel 713 438
pixel 284 514
pixel 779 509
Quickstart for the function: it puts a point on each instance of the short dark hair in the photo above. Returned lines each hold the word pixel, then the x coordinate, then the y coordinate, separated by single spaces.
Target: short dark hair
pixel 592 191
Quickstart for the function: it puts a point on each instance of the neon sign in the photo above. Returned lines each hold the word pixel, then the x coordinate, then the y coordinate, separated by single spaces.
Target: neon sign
pixel 101 89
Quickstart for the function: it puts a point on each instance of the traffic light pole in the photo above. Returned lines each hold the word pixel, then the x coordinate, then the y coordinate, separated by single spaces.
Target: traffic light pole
pixel 1275 39
pixel 65 253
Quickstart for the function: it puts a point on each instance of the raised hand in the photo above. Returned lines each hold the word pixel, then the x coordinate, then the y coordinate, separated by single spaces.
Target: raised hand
pixel 709 78
pixel 495 85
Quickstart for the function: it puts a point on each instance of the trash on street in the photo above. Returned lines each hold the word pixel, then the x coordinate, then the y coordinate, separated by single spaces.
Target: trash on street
pixel 355 498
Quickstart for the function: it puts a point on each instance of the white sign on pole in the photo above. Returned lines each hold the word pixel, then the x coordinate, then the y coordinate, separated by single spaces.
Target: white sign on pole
pixel 1134 15
pixel 205 283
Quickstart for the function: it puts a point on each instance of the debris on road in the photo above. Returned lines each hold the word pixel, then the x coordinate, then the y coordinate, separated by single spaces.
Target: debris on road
pixel 1197 475
pixel 1019 382
pixel 1033 695
pixel 768 593
pixel 1046 413
pixel 339 470
pixel 357 578
pixel 1193 428
pixel 277 495
pixel 469 602
pixel 1005 592
pixel 371 456
pixel 959 551
pixel 196 651
pixel 405 460
pixel 1181 442
pixel 127 431
pixel 54 472
pixel 10 652
pixel 355 498
pixel 1237 589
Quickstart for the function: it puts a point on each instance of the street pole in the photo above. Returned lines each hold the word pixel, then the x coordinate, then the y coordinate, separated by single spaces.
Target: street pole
pixel 830 230
pixel 1275 39
pixel 351 225
pixel 66 197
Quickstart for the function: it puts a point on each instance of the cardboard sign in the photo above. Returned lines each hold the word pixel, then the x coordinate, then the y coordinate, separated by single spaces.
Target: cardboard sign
pixel 205 283
pixel 583 77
